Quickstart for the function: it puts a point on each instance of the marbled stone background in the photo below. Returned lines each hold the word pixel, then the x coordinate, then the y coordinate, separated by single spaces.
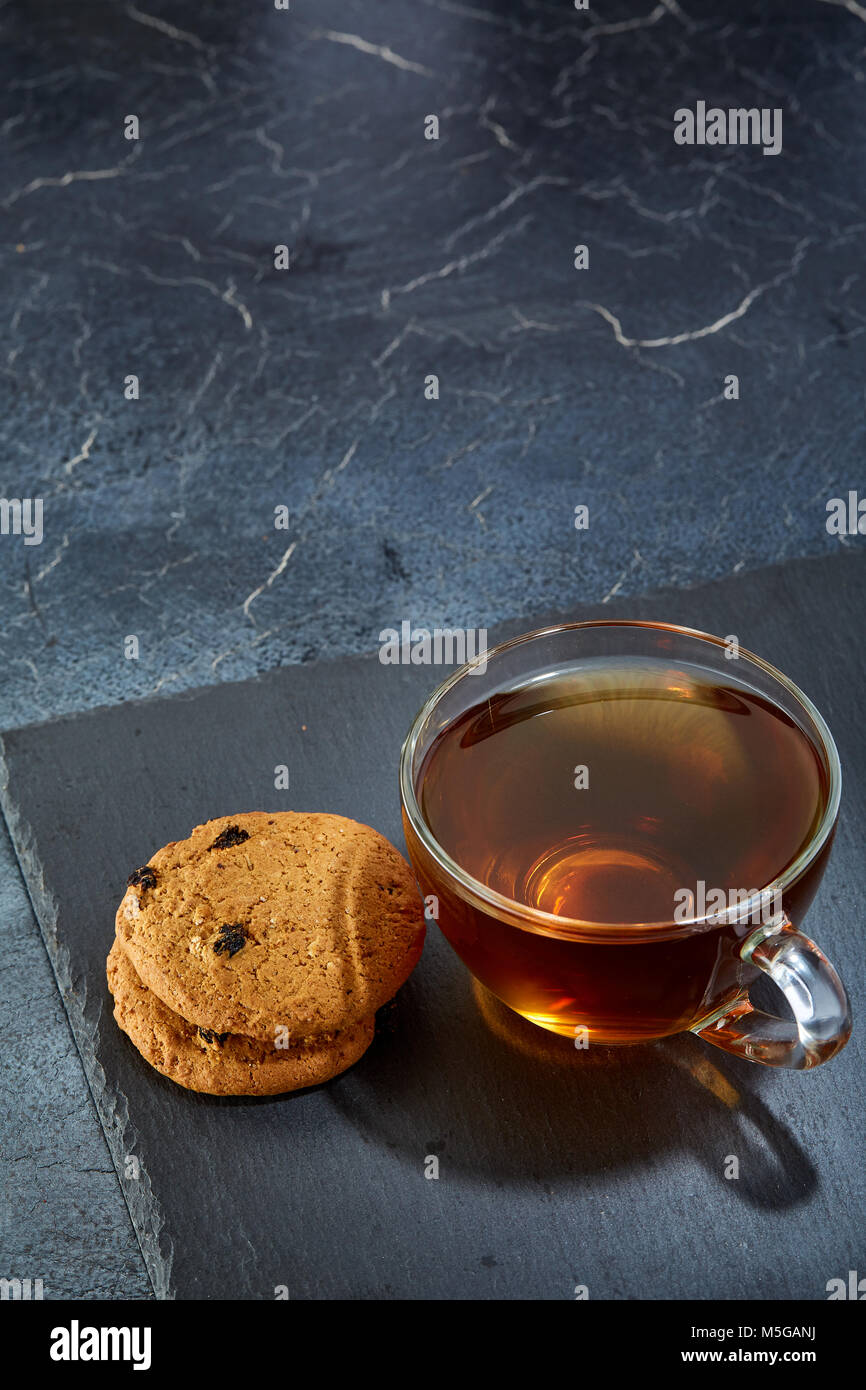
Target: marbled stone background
pixel 305 388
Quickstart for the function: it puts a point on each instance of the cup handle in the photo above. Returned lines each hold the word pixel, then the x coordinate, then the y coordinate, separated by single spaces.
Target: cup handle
pixel 822 1014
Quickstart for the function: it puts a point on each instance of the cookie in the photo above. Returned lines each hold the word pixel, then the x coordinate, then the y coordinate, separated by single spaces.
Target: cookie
pixel 223 1064
pixel 295 920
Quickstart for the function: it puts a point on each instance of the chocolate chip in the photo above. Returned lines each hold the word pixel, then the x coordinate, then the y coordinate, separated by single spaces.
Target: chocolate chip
pixel 145 877
pixel 231 939
pixel 231 836
pixel 211 1037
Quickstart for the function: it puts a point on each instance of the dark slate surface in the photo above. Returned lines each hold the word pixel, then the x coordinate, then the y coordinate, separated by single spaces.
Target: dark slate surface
pixel 556 1167
pixel 304 388
pixel 62 1218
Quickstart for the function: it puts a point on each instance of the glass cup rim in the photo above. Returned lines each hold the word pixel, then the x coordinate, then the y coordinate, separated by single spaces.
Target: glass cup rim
pixel 548 924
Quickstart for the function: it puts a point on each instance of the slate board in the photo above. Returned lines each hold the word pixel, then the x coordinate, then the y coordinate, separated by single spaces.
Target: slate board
pixel 556 1168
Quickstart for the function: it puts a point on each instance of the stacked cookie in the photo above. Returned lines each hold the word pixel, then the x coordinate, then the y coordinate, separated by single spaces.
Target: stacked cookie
pixel 251 958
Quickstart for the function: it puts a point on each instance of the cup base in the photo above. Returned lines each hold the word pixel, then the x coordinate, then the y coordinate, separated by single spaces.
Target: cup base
pixel 598 1037
pixel 602 878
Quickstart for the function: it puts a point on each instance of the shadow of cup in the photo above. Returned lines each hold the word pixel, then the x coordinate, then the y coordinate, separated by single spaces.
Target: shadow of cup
pixel 458 1075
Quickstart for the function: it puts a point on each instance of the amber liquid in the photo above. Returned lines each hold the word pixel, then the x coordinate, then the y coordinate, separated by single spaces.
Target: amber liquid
pixel 599 795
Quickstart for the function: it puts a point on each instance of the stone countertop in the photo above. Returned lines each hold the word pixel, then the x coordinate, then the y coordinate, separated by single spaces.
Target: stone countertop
pixel 304 388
